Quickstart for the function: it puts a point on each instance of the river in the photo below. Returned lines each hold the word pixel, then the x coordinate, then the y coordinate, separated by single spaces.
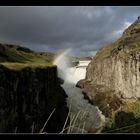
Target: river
pixel 85 118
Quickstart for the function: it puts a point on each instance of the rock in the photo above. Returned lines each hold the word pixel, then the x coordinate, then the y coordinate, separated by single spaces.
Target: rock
pixel 113 76
pixel 27 98
pixel 80 84
pixel 104 98
pixel 60 80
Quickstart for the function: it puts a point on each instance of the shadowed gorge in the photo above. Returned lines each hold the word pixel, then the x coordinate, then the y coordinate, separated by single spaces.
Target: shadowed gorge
pixel 88 118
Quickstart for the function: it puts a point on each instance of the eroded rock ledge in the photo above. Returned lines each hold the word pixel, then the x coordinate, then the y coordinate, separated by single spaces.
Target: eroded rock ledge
pixel 27 98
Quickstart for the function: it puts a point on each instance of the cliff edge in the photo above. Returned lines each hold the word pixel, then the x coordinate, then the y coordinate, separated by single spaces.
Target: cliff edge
pixel 113 76
pixel 29 92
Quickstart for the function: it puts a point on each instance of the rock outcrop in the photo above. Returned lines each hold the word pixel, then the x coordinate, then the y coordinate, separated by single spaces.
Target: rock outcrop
pixel 114 73
pixel 27 98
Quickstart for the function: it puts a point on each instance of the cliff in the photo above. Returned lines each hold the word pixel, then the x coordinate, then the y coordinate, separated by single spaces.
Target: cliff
pixel 29 92
pixel 113 76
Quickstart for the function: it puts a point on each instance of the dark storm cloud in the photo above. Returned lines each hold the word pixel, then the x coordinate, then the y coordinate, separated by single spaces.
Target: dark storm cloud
pixel 85 29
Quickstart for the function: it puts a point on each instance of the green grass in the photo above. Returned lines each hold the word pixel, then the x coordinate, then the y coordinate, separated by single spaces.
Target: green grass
pixel 132 107
pixel 128 120
pixel 18 58
pixel 15 65
pixel 105 51
pixel 130 47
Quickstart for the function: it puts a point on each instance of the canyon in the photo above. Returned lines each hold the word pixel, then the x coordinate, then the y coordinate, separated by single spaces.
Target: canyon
pixel 86 95
pixel 87 118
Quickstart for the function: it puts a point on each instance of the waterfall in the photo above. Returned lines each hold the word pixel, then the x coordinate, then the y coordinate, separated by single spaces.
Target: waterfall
pixel 88 118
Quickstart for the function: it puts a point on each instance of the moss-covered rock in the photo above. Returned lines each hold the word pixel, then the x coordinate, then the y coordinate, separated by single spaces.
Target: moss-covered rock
pixel 123 122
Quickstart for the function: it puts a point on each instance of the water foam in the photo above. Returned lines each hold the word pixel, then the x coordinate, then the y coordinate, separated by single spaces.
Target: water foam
pixel 89 115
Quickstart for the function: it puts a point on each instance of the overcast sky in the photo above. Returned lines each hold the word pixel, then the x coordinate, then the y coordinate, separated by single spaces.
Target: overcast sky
pixel 84 29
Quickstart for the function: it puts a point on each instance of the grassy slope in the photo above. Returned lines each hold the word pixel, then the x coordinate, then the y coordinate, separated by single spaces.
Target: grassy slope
pixel 13 56
pixel 129 40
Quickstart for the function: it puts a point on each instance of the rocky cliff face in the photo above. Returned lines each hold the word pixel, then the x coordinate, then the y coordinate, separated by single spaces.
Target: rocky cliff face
pixel 27 98
pixel 113 76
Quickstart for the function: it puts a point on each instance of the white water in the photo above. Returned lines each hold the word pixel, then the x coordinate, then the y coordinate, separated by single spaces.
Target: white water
pixel 89 116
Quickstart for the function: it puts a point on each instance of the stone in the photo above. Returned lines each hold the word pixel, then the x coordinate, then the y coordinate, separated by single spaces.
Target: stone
pixel 114 73
pixel 27 98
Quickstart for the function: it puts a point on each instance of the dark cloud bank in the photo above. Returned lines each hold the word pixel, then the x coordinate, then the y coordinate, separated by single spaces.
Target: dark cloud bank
pixel 84 29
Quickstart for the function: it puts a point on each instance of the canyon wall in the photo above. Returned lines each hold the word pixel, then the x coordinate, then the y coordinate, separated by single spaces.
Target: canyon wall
pixel 113 76
pixel 27 98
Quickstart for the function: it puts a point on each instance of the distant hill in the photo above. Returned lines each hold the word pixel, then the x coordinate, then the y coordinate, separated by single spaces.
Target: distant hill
pixel 11 55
